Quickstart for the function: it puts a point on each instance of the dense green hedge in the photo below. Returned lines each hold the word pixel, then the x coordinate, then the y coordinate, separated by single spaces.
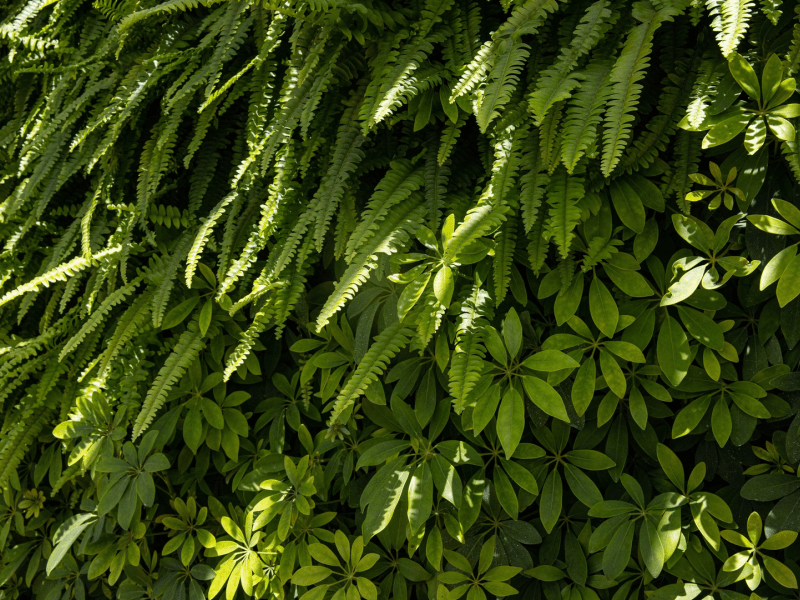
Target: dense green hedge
pixel 330 300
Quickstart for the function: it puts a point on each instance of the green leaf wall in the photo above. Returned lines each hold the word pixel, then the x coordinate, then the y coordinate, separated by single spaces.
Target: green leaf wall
pixel 427 299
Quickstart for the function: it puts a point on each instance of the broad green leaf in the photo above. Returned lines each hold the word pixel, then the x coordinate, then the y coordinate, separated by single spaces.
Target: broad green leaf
pixel 702 328
pixel 549 361
pixel 307 576
pixel 510 421
pixel 605 313
pixel 690 416
pixel 744 75
pixel 550 500
pixel 789 284
pixel 583 386
pixel 512 332
pixel 673 352
pixel 545 397
pixel 628 205
pixel 618 551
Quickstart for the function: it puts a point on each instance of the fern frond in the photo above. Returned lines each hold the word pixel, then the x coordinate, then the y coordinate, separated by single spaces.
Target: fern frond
pixel 169 7
pixel 533 181
pixel 204 233
pixel 168 276
pixel 386 345
pixel 584 112
pixel 400 181
pixel 450 135
pixel 704 90
pixel 130 323
pixel 467 362
pixel 98 316
pixel 390 235
pixel 555 83
pixel 793 55
pixel 674 96
pixel 61 273
pixel 189 345
pixel 260 322
pixel 503 79
pixel 505 246
pixel 479 221
pixel 731 20
pixel 628 70
pixel 563 193
pixel 345 157
pixel 599 249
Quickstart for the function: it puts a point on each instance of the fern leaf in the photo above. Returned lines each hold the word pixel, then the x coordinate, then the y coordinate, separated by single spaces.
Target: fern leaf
pixel 555 83
pixel 478 222
pixel 467 363
pixel 649 143
pixel 793 55
pixel 98 316
pixel 260 321
pixel 204 233
pixel 538 244
pixel 450 135
pixel 599 249
pixel 436 177
pixel 344 159
pixel 584 113
pixel 61 273
pixel 386 345
pixel 505 246
pixel 502 80
pixel 397 185
pixel 164 288
pixel 392 232
pixel 704 90
pixel 563 193
pixel 127 326
pixel 189 345
pixel 533 181
pixel 731 20
pixel 625 76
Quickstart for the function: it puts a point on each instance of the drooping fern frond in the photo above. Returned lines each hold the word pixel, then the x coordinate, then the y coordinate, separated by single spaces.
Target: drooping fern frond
pixel 628 70
pixel 563 193
pixel 793 55
pixel 128 325
pixel 61 273
pixel 385 346
pixel 731 20
pixel 387 238
pixel 704 89
pixel 501 82
pixel 345 157
pixel 465 368
pixel 555 83
pixel 525 18
pixel 98 316
pixel 400 181
pixel 533 181
pixel 584 113
pixel 505 246
pixel 189 345
pixel 675 94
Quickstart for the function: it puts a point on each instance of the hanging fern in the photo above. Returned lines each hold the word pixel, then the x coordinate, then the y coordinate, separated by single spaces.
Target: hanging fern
pixel 731 20
pixel 628 70
pixel 563 193
pixel 556 83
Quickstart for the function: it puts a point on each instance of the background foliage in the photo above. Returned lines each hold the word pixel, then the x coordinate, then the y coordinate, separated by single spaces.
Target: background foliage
pixel 433 299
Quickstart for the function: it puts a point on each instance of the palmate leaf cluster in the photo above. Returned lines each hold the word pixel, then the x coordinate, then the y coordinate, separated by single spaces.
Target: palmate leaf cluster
pixel 336 299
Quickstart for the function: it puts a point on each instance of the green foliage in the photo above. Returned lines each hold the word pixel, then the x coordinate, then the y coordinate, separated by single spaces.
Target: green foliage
pixel 438 299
